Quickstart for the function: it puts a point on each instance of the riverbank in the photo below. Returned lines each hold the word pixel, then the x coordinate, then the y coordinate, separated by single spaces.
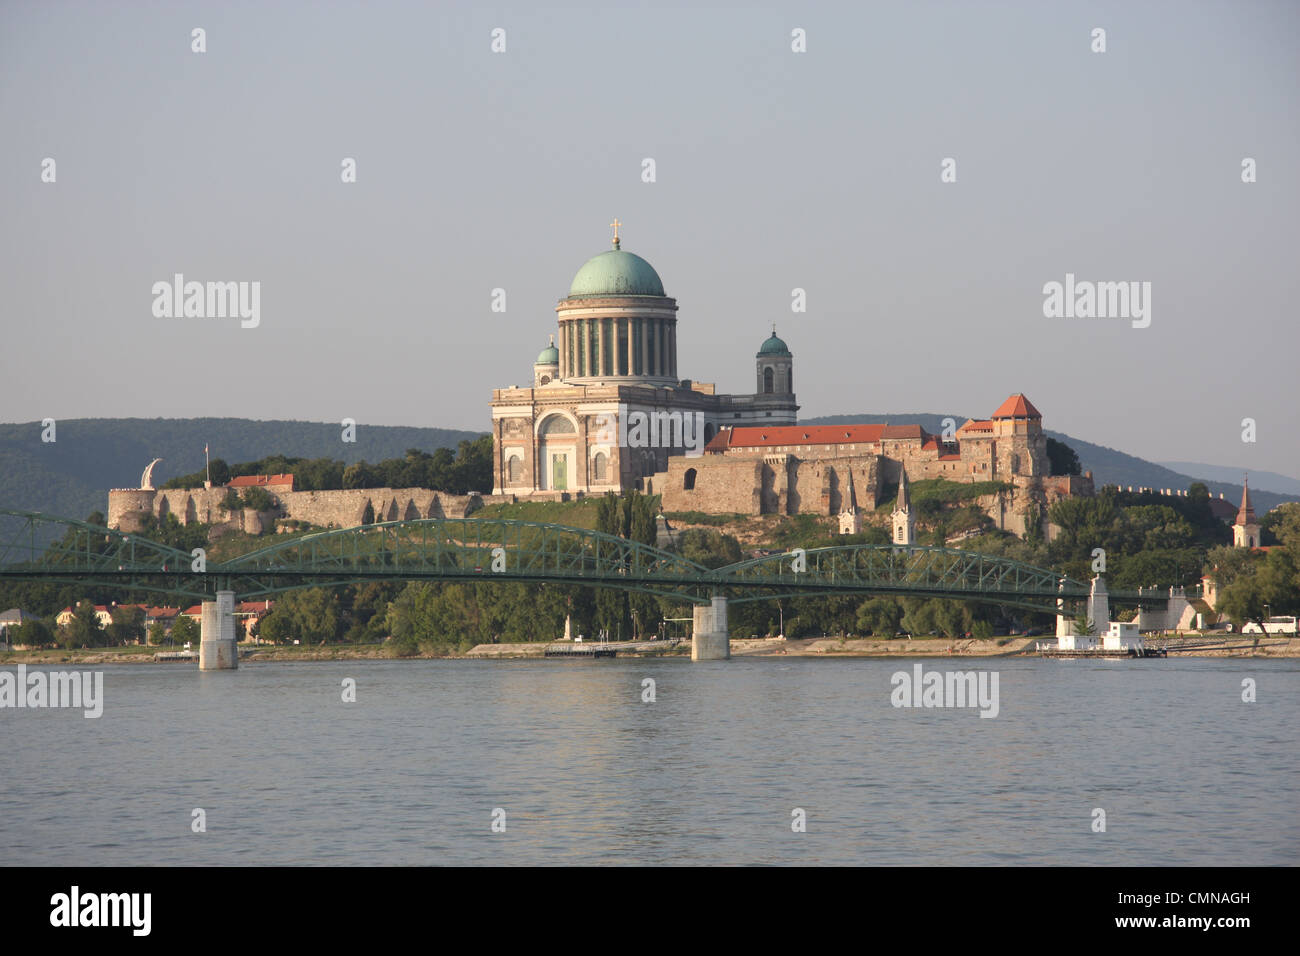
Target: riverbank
pixel 821 647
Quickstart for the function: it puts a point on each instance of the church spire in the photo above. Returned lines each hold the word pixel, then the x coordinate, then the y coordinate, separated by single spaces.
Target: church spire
pixel 851 505
pixel 904 520
pixel 1246 515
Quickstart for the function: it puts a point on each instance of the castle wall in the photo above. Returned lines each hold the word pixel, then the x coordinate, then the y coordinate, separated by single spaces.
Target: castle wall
pixel 720 486
pixel 344 508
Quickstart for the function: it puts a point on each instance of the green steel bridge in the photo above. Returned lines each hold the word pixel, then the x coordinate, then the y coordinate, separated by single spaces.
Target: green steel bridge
pixel 482 549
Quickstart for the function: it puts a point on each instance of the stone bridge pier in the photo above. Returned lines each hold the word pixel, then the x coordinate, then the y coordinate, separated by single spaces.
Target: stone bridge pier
pixel 709 638
pixel 218 649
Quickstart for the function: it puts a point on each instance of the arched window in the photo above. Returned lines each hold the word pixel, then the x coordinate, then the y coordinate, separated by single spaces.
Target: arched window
pixel 556 425
pixel 514 468
pixel 789 380
pixel 767 380
pixel 599 465
pixel 688 483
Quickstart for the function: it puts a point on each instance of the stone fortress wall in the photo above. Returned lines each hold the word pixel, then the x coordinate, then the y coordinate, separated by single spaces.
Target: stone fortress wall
pixel 342 509
pixel 788 484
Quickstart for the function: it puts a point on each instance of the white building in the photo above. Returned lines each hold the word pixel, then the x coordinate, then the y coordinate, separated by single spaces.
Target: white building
pixel 1122 636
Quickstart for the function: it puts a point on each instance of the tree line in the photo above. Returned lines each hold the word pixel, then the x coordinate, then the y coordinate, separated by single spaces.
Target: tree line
pixel 467 469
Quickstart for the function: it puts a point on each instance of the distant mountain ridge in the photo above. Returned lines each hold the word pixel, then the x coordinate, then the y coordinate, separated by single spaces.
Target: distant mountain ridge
pixel 1108 466
pixel 71 476
pixel 1259 480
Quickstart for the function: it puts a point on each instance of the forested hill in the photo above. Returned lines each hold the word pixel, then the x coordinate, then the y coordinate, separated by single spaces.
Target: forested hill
pixel 1108 466
pixel 71 475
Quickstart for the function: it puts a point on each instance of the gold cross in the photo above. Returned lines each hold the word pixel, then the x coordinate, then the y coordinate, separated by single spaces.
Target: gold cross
pixel 616 224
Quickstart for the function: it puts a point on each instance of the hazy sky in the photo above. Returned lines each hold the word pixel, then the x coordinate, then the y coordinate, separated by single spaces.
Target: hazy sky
pixel 775 170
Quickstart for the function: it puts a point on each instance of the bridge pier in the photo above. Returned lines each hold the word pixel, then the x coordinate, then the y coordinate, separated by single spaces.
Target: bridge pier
pixel 218 650
pixel 709 638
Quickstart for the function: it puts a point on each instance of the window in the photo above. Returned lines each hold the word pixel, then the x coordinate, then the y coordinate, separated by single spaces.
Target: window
pixel 514 468
pixel 599 466
pixel 688 483
pixel 767 380
pixel 789 380
pixel 556 425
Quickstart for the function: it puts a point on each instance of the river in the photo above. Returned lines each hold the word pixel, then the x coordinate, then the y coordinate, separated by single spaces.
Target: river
pixel 714 771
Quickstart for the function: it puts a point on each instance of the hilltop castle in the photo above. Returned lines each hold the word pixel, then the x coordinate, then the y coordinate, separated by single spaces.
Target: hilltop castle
pixel 574 431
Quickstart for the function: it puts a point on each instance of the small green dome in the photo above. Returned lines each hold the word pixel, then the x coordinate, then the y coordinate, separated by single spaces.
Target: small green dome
pixel 616 273
pixel 774 346
pixel 549 355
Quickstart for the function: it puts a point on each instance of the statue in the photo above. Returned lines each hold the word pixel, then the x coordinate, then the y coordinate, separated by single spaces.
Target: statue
pixel 146 480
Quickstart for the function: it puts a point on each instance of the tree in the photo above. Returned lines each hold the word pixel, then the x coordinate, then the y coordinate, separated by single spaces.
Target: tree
pixel 127 626
pixel 259 499
pixel 84 629
pixel 186 630
pixel 1062 458
pixel 277 627
pixel 34 634
pixel 880 616
pixel 157 632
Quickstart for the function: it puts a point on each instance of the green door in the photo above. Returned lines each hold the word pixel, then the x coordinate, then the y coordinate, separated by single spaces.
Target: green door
pixel 560 473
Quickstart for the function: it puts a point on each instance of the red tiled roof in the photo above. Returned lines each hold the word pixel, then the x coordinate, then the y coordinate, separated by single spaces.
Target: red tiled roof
pixel 756 436
pixel 1017 406
pixel 260 481
pixel 977 425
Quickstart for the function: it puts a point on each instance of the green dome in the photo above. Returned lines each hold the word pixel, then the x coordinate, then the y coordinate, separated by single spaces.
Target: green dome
pixel 549 355
pixel 774 346
pixel 616 273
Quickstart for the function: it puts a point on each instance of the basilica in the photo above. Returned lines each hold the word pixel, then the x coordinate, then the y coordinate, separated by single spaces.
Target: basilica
pixel 615 363
pixel 608 410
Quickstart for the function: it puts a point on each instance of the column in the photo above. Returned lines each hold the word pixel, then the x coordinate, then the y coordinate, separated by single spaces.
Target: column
pixel 709 638
pixel 645 346
pixel 672 348
pixel 218 650
pixel 630 343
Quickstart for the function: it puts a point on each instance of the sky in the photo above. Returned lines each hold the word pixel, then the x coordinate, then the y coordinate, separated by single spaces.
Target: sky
pixel 774 170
